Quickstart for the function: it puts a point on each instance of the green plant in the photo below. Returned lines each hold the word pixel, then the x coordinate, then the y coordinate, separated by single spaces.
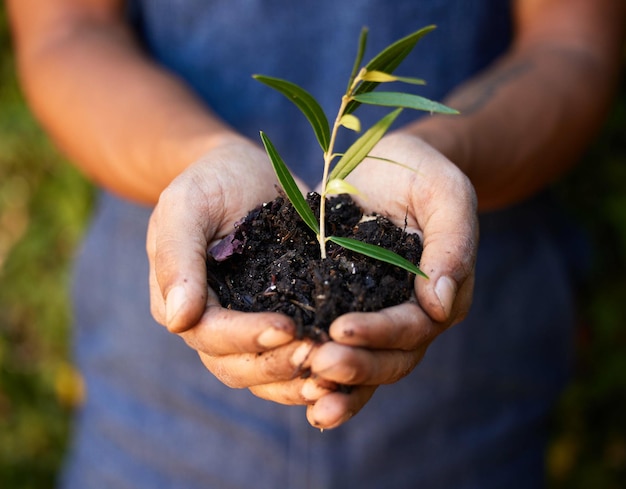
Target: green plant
pixel 360 90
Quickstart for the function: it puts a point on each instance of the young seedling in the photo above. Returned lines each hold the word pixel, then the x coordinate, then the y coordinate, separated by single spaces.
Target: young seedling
pixel 360 90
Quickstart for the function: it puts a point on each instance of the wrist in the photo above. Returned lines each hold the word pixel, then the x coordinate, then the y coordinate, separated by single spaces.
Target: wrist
pixel 174 156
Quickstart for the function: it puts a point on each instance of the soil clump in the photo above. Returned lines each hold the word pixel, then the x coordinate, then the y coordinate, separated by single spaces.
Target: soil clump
pixel 272 263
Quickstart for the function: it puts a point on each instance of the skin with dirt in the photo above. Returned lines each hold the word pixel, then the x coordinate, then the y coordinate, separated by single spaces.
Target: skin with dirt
pixel 272 263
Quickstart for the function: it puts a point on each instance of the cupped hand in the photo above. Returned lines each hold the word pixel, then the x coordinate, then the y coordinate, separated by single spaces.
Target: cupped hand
pixel 370 349
pixel 198 208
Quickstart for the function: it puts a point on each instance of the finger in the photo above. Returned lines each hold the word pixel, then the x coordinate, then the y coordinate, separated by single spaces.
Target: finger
pixel 436 198
pixel 448 260
pixel 198 207
pixel 405 326
pixel 253 369
pixel 222 331
pixel 157 302
pixel 336 408
pixel 287 392
pixel 450 240
pixel 358 366
pixel 177 241
pixel 298 391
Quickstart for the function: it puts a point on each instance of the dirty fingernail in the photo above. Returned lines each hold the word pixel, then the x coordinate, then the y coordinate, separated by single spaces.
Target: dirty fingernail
pixel 445 289
pixel 311 391
pixel 300 355
pixel 273 337
pixel 174 302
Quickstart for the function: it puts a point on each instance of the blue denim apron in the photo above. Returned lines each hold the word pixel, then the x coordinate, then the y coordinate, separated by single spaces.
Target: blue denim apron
pixel 472 414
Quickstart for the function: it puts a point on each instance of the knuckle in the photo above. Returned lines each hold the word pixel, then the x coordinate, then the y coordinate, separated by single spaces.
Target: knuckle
pixel 272 366
pixel 224 374
pixel 404 366
pixel 356 370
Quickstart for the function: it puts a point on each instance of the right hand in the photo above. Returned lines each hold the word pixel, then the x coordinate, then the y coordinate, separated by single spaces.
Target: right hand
pixel 374 348
pixel 199 207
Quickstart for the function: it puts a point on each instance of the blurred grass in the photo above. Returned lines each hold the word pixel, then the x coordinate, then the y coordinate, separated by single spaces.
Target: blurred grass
pixel 45 204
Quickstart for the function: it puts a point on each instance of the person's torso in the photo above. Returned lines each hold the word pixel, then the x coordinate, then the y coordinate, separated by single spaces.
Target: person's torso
pixel 216 46
pixel 154 417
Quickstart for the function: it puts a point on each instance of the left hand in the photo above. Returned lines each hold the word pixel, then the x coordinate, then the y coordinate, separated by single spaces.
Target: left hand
pixel 370 349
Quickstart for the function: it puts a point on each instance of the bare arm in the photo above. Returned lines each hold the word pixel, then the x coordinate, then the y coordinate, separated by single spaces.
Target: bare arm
pixel 525 121
pixel 527 118
pixel 138 131
pixel 129 125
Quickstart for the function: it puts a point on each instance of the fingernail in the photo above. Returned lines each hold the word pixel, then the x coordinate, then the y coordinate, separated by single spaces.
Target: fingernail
pixel 273 337
pixel 176 299
pixel 300 355
pixel 445 289
pixel 311 391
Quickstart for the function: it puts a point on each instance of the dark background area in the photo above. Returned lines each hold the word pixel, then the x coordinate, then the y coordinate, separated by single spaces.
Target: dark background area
pixel 45 205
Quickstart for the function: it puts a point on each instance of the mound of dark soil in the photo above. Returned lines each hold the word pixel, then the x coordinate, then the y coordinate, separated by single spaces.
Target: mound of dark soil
pixel 272 263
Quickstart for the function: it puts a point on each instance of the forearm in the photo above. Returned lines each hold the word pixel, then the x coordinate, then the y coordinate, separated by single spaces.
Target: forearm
pixel 526 120
pixel 129 125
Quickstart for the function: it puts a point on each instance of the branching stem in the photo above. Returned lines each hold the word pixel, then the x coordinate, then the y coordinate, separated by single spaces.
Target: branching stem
pixel 328 158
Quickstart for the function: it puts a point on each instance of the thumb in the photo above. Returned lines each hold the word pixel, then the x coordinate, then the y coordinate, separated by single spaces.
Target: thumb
pixel 449 258
pixel 447 293
pixel 178 235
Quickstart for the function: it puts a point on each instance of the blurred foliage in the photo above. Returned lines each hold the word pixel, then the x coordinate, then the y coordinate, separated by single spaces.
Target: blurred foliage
pixel 589 444
pixel 45 204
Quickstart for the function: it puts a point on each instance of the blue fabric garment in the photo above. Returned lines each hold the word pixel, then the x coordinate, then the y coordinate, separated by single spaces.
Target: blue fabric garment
pixel 216 46
pixel 472 414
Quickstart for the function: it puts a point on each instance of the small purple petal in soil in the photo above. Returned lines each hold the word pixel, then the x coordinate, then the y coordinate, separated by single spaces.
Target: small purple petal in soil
pixel 226 248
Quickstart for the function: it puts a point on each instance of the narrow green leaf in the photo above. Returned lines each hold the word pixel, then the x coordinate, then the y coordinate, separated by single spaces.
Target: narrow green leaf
pixel 378 253
pixel 388 60
pixel 339 186
pixel 362 146
pixel 406 100
pixel 351 122
pixel 306 103
pixel 411 81
pixel 391 57
pixel 394 162
pixel 359 56
pixel 289 185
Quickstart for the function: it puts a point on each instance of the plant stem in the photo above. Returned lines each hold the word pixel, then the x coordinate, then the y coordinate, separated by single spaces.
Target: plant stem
pixel 328 158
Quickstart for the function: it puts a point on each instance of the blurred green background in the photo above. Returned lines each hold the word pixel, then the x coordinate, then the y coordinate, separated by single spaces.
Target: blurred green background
pixel 45 204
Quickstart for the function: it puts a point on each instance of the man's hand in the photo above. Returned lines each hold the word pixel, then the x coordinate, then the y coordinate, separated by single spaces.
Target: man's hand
pixel 258 350
pixel 199 207
pixel 370 349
